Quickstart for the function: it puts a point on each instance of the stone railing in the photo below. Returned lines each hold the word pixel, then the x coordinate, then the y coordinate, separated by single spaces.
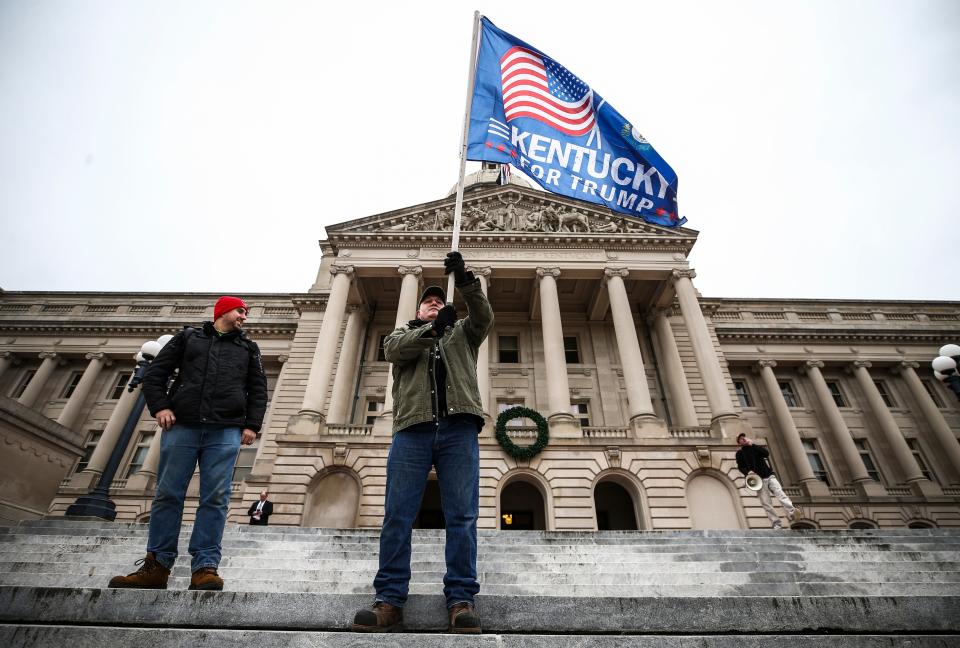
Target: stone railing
pixel 952 490
pixel 118 484
pixel 605 432
pixel 899 491
pixel 348 429
pixel 793 491
pixel 701 432
pixel 843 491
pixel 522 431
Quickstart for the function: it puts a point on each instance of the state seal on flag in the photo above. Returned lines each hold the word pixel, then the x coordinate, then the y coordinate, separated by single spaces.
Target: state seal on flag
pixel 632 135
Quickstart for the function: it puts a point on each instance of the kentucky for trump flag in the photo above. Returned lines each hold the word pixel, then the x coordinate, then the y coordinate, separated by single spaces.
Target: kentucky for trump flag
pixel 529 111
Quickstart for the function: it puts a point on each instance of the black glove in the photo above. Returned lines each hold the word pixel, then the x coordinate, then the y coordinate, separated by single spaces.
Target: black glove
pixel 454 263
pixel 446 317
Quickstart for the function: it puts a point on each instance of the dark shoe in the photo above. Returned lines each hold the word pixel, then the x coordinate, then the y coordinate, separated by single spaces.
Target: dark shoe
pixel 206 578
pixel 464 619
pixel 151 575
pixel 382 617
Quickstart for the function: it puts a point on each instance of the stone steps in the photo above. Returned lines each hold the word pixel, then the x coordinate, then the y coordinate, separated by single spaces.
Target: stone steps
pixel 47 636
pixel 501 614
pixel 292 586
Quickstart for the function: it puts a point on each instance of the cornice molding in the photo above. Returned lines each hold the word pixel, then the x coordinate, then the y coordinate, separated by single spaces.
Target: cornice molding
pixel 129 329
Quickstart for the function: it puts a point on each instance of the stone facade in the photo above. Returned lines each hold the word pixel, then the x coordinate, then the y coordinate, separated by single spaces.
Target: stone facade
pixel 599 327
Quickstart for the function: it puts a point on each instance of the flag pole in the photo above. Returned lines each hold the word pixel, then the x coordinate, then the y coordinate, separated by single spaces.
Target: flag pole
pixel 458 208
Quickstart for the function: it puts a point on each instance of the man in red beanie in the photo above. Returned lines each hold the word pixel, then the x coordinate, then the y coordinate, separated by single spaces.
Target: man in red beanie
pixel 216 404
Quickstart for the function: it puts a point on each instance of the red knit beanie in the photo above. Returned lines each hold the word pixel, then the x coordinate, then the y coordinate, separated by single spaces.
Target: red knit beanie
pixel 226 304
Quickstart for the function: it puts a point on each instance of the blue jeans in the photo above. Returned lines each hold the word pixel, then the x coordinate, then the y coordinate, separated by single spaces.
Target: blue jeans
pixel 182 447
pixel 453 448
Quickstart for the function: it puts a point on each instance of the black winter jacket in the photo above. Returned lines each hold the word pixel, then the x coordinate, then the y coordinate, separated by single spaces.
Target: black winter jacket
pixel 221 379
pixel 753 458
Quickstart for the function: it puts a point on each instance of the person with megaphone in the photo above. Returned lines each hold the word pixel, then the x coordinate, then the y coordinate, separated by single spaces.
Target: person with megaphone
pixel 752 461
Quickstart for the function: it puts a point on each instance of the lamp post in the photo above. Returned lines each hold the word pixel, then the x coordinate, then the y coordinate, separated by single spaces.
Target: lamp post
pixel 945 367
pixel 98 503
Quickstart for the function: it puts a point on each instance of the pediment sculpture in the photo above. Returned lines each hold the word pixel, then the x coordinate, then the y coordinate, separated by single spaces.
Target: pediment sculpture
pixel 514 218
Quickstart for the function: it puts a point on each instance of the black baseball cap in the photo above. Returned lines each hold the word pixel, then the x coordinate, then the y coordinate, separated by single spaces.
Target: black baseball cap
pixel 433 291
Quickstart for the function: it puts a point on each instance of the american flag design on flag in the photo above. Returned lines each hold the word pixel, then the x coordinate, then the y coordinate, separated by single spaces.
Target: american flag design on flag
pixel 546 91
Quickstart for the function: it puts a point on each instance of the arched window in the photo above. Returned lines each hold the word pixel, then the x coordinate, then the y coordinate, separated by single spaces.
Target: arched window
pixel 333 501
pixel 862 524
pixel 711 503
pixel 921 524
pixel 522 507
pixel 616 509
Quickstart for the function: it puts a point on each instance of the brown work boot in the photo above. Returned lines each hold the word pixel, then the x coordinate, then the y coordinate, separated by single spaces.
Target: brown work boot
pixel 382 617
pixel 206 578
pixel 151 575
pixel 464 619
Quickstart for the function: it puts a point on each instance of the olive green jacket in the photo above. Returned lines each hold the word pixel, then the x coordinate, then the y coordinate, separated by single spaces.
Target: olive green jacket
pixel 414 398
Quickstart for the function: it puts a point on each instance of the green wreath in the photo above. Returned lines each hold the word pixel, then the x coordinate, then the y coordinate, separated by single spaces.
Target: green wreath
pixel 511 448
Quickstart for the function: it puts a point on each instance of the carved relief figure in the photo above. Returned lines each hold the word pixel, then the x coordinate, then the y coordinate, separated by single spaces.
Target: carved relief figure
pixel 608 227
pixel 563 221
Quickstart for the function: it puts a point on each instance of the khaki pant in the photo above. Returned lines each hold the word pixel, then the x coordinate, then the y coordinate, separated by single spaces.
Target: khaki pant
pixel 772 485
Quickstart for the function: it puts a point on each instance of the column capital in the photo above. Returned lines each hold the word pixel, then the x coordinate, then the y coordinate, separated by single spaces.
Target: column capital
pixel 414 270
pixel 763 364
pixel 282 358
pixel 8 355
pixel 610 273
pixel 44 355
pixel 553 272
pixel 861 364
pixel 480 270
pixel 341 269
pixel 903 365
pixel 810 364
pixel 99 355
pixel 688 273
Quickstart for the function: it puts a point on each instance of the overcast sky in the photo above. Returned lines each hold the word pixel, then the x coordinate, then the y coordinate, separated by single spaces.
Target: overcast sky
pixel 203 145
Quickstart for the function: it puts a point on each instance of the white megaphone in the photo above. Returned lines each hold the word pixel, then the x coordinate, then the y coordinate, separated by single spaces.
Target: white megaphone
pixel 754 482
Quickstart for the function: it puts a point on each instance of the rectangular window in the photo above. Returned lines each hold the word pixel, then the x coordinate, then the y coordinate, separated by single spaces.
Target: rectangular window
pixel 508 348
pixel 885 393
pixel 789 394
pixel 921 460
pixel 244 464
pixel 374 409
pixel 837 394
pixel 22 384
pixel 119 385
pixel 867 458
pixel 71 384
pixel 381 352
pixel 581 410
pixel 140 453
pixel 571 349
pixel 934 396
pixel 816 462
pixel 504 405
pixel 88 449
pixel 742 394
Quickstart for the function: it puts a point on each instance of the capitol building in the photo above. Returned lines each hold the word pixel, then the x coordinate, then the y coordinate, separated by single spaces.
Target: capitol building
pixel 644 383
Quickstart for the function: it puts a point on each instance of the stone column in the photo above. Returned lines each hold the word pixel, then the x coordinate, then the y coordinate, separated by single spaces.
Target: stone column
pixel 146 478
pixel 406 311
pixel 483 354
pixel 841 434
pixel 68 417
pixel 891 431
pixel 631 358
pixel 111 433
pixel 684 412
pixel 562 423
pixel 785 426
pixel 30 394
pixel 948 442
pixel 7 359
pixel 345 380
pixel 721 407
pixel 310 418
